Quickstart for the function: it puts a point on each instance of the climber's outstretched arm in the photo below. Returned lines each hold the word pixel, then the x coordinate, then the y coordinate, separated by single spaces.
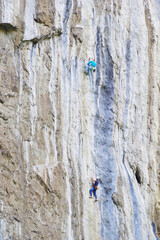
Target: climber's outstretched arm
pixel 92 179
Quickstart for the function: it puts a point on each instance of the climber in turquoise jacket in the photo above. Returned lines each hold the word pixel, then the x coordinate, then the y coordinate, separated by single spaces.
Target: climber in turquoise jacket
pixel 92 64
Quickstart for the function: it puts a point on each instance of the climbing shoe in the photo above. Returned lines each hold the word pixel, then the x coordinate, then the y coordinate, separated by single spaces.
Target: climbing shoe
pixel 96 200
pixel 90 197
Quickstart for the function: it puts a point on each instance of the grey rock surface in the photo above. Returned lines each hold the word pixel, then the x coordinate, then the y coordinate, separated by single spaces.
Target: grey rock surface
pixel 59 127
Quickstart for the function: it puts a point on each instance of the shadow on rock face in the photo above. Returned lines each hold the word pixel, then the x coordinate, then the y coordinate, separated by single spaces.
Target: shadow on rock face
pixel 138 175
pixel 7 27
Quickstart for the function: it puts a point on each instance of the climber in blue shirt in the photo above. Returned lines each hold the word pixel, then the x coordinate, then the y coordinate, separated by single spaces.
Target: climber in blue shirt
pixel 94 188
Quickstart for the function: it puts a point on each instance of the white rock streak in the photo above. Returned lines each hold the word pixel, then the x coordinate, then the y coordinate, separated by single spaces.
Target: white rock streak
pixel 30 29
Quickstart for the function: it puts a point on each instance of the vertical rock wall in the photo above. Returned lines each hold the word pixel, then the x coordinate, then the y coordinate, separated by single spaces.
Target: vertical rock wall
pixel 57 131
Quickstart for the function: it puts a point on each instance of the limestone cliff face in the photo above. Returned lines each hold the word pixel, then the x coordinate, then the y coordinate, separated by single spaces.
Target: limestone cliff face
pixel 56 131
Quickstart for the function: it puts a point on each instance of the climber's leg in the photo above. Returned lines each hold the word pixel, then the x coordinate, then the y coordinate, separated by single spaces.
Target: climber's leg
pixel 90 78
pixel 90 191
pixel 92 82
pixel 94 192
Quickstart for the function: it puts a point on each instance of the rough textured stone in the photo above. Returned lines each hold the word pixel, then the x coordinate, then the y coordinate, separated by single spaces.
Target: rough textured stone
pixel 56 131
